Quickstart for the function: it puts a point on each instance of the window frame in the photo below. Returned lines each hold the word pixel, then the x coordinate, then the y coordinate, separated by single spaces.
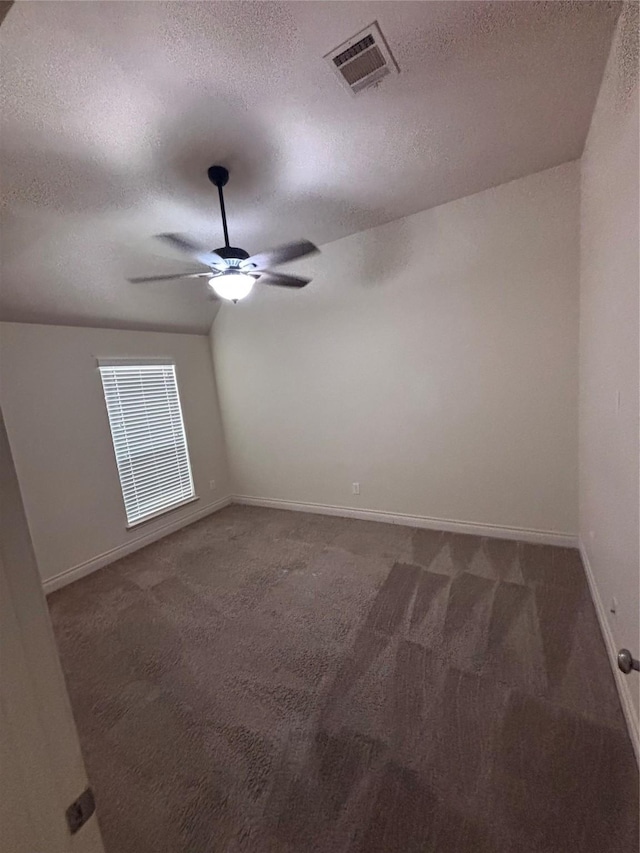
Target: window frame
pixel 141 363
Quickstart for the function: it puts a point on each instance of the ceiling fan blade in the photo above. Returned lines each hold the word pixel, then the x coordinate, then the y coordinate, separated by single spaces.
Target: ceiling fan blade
pixel 282 254
pixel 205 256
pixel 143 279
pixel 281 280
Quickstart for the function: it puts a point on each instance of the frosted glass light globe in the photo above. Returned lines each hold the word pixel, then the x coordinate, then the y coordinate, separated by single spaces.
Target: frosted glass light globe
pixel 232 285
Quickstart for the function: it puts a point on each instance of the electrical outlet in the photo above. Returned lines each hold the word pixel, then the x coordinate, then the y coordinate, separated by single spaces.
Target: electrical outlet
pixel 355 488
pixel 212 484
pixel 613 607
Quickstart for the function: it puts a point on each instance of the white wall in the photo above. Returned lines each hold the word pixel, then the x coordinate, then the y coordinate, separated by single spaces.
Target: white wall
pixel 58 428
pixel 433 359
pixel 41 769
pixel 609 284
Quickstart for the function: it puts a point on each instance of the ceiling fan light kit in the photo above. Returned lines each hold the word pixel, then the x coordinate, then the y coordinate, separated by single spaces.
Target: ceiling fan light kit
pixel 233 286
pixel 232 271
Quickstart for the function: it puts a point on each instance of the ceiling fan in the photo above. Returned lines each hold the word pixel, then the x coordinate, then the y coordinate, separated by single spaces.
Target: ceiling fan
pixel 232 272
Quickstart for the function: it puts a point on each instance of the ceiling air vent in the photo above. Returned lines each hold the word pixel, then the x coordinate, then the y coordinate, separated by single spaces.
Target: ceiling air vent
pixel 363 60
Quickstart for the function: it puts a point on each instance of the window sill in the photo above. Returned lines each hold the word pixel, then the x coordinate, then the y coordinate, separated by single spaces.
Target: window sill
pixel 161 512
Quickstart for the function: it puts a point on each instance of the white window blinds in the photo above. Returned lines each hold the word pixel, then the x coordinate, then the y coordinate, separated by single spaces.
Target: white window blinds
pixel 144 411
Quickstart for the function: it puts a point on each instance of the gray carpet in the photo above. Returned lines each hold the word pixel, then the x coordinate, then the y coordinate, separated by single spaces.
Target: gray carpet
pixel 275 682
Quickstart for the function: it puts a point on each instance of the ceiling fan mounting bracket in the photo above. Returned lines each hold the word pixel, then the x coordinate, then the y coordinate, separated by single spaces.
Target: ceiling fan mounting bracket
pixel 218 175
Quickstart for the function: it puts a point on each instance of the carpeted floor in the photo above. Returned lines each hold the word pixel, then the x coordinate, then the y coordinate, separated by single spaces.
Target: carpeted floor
pixel 273 682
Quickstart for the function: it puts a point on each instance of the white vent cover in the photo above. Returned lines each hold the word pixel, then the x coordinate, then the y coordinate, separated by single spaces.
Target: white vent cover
pixel 363 60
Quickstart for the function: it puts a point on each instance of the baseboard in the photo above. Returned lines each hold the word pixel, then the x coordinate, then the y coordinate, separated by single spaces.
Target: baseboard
pixel 545 537
pixel 95 563
pixel 623 682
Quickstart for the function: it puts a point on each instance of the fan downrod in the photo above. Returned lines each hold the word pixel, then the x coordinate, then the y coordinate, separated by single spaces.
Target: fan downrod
pixel 218 175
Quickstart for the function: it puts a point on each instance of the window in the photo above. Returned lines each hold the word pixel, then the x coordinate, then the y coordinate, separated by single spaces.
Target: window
pixel 151 450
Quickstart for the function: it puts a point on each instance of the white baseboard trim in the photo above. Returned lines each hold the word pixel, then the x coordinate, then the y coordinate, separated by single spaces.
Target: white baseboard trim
pixel 623 682
pixel 545 537
pixel 95 563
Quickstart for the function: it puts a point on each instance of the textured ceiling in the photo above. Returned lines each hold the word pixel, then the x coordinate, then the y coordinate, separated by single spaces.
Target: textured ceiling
pixel 112 112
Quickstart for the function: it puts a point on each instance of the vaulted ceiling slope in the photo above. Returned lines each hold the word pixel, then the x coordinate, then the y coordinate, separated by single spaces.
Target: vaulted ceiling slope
pixel 112 113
